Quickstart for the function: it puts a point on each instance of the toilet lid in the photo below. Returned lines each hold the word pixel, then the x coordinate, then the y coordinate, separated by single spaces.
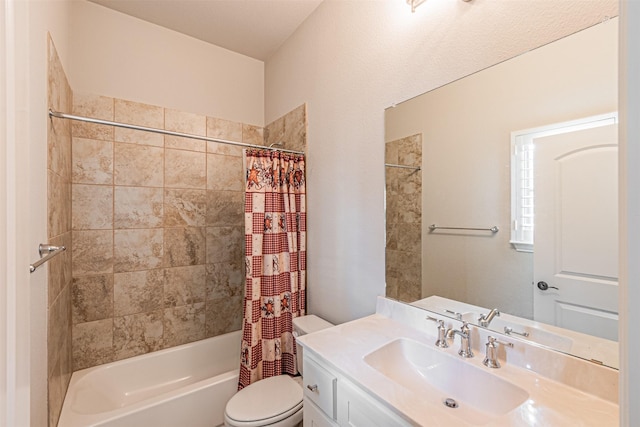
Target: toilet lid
pixel 272 399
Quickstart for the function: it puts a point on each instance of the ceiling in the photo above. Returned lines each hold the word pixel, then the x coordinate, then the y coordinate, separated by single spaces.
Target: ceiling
pixel 254 28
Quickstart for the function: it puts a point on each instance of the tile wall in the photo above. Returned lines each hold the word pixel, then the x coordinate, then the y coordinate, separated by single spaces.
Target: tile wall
pixel 403 194
pixel 158 227
pixel 59 363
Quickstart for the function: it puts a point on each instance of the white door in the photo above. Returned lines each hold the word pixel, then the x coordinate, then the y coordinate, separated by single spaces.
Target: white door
pixel 576 231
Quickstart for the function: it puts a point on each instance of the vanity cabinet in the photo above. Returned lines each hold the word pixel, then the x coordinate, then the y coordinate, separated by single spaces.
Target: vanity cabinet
pixel 330 400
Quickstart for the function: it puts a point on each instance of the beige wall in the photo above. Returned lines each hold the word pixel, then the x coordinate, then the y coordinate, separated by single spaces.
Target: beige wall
pixel 467 128
pixel 349 61
pixel 119 56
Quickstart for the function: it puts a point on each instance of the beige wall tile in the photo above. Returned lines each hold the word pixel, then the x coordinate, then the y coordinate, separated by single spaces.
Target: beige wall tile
pixel 92 207
pixel 59 145
pixel 137 334
pixel 295 129
pixel 139 114
pixel 252 135
pixel 225 208
pixel 93 106
pixel 58 327
pixel 184 285
pixel 59 204
pixel 58 89
pixel 225 279
pixel 138 207
pixel 92 252
pixel 56 388
pixel 224 244
pixel 92 343
pixel 92 161
pixel 137 249
pixel 92 298
pixel 185 207
pixel 193 124
pixel 410 150
pixel 59 266
pixel 391 152
pixel 274 132
pixel 185 169
pixel 184 246
pixel 138 165
pixel 225 130
pixel 224 173
pixel 223 315
pixel 184 324
pixel 137 292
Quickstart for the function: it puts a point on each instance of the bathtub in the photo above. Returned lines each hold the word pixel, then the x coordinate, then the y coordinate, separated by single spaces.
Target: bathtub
pixel 186 386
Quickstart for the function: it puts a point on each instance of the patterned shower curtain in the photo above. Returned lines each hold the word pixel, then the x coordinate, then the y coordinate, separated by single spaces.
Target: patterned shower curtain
pixel 275 249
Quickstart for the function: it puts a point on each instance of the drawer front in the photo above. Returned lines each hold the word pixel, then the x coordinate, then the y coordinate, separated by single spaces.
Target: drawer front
pixel 320 387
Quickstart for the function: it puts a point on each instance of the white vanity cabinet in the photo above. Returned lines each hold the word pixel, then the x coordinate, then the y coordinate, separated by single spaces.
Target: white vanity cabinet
pixel 330 400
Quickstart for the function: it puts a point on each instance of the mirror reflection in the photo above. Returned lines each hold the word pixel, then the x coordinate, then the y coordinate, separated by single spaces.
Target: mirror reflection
pixel 528 146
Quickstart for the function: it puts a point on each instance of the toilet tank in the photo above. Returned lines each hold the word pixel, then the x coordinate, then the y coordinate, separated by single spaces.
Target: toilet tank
pixel 305 325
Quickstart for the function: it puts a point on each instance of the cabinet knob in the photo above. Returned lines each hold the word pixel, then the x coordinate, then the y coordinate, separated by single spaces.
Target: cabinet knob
pixel 313 388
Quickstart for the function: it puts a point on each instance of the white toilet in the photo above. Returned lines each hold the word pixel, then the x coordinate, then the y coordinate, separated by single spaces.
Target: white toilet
pixel 274 401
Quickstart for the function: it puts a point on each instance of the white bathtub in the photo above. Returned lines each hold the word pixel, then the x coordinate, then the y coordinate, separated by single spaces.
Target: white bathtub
pixel 185 386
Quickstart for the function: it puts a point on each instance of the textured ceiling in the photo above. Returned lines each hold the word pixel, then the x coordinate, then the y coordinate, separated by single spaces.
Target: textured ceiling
pixel 254 28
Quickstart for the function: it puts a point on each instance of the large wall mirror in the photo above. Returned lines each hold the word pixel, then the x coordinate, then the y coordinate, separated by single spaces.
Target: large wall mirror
pixel 451 157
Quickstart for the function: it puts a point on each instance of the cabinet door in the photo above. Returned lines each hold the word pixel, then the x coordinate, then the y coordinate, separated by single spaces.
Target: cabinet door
pixel 314 417
pixel 356 409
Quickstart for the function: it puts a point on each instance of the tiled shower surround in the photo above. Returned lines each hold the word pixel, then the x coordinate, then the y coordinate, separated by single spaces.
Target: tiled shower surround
pixel 403 194
pixel 158 227
pixel 59 362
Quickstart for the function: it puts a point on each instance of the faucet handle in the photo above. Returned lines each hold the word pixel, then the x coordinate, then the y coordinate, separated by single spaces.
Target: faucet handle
pixel 442 332
pixel 491 356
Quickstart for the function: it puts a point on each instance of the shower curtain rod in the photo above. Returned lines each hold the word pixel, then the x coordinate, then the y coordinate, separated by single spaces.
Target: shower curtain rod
pixel 60 115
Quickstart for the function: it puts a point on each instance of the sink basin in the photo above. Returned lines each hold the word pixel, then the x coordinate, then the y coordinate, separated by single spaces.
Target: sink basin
pixel 436 375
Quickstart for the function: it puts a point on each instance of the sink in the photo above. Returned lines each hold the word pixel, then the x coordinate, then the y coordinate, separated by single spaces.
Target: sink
pixel 430 372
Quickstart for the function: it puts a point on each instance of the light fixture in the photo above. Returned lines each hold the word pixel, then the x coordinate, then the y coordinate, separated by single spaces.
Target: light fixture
pixel 416 3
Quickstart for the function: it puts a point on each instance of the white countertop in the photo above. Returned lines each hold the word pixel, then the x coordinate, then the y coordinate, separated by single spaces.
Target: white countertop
pixel 551 402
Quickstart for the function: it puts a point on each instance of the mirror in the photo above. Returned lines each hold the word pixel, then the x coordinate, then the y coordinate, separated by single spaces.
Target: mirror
pixel 449 163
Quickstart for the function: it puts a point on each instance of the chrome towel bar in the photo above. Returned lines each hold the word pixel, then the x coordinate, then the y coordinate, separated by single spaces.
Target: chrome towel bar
pixel 393 165
pixel 50 251
pixel 493 229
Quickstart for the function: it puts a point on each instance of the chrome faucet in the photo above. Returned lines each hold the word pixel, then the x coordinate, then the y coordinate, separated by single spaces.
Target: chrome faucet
pixel 491 356
pixel 442 333
pixel 485 319
pixel 465 339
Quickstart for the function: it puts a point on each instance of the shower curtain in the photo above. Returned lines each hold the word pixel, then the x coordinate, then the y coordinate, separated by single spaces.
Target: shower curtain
pixel 275 234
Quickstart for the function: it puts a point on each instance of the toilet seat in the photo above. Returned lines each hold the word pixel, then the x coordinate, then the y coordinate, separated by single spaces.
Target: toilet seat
pixel 265 402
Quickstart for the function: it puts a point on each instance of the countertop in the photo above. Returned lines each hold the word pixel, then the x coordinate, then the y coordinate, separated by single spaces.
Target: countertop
pixel 551 402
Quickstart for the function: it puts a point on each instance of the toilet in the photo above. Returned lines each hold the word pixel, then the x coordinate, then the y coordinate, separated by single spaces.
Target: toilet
pixel 274 401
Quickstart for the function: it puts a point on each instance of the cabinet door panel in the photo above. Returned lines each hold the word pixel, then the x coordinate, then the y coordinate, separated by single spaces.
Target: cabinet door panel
pixel 358 410
pixel 314 417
